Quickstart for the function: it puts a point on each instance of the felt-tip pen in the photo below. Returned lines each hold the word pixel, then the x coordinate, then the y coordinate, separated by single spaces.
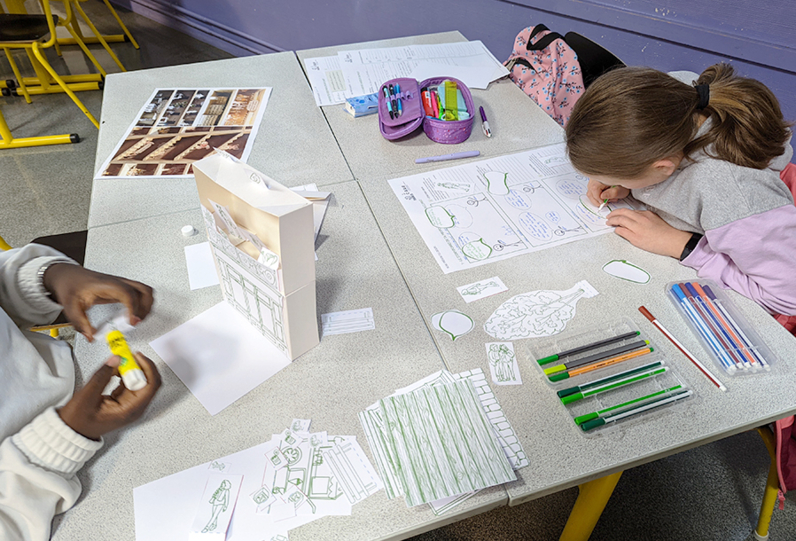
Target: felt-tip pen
pixel 387 100
pixel 132 375
pixel 397 94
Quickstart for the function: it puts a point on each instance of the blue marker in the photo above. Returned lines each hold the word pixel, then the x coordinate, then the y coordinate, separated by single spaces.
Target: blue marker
pixel 716 327
pixel 397 92
pixel 729 366
pixel 387 99
pixel 747 343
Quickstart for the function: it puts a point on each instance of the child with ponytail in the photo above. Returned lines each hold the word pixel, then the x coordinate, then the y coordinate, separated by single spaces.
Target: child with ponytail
pixel 706 160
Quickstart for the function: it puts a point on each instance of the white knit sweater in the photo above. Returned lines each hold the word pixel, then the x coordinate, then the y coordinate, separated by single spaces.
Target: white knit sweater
pixel 39 454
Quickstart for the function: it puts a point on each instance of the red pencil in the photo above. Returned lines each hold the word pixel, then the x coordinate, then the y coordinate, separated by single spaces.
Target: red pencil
pixel 681 347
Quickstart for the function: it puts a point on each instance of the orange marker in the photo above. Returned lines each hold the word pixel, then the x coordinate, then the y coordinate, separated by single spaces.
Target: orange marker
pixel 602 364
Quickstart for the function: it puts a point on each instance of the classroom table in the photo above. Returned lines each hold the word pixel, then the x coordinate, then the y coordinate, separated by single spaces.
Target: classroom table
pixel 293 145
pixel 370 255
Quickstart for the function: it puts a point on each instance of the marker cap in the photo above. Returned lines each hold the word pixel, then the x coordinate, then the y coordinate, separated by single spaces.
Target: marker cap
pixel 134 379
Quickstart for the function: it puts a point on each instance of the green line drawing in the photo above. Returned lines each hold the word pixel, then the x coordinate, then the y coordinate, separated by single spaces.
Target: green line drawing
pixel 602 214
pixel 537 313
pixel 497 182
pixel 624 270
pixel 503 363
pixel 455 186
pixel 478 288
pixel 477 250
pixel 220 502
pixel 452 322
pixel 439 217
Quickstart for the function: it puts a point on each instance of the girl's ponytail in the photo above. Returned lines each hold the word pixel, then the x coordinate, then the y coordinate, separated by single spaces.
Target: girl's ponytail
pixel 748 128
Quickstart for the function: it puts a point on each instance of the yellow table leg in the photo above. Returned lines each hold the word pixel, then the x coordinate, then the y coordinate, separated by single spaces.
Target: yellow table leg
pixel 772 487
pixel 588 507
pixel 8 141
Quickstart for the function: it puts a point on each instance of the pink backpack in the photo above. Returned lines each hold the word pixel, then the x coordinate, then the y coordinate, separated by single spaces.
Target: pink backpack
pixel 547 69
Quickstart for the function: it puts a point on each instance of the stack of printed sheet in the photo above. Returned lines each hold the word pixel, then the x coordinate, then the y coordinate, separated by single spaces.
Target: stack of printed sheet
pixel 259 493
pixel 441 440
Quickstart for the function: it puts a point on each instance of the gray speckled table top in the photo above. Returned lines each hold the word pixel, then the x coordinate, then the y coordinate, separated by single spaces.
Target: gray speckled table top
pixel 330 384
pixel 561 457
pixel 294 144
pixel 516 123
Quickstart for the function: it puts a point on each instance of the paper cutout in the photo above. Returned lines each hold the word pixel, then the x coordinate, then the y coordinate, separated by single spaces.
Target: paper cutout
pixel 216 507
pixel 503 363
pixel 479 290
pixel 443 442
pixel 347 321
pixel 219 466
pixel 624 270
pixel 537 313
pixel 201 269
pixel 300 425
pixel 453 323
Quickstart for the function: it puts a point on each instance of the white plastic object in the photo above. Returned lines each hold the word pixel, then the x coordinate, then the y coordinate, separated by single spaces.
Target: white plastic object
pixel 188 231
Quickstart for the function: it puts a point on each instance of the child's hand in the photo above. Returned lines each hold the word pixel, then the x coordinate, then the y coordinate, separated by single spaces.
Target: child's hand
pixel 646 230
pixel 598 192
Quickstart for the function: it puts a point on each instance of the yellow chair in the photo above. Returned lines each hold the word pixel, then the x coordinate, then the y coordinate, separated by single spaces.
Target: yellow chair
pixel 8 141
pixel 28 32
pixel 75 31
pixel 110 38
pixel 772 486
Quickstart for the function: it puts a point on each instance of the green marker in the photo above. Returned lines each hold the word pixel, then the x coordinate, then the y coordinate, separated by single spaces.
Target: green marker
pixel 621 408
pixel 595 423
pixel 557 356
pixel 602 381
pixel 627 381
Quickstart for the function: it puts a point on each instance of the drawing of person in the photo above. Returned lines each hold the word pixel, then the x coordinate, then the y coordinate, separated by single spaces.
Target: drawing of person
pixel 220 501
pixel 502 360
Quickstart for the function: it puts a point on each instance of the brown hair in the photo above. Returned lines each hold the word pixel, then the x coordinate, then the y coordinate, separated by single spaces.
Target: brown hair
pixel 629 118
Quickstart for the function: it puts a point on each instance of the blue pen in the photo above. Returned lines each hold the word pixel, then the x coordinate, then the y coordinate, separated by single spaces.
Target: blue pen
pixel 394 104
pixel 729 366
pixel 713 323
pixel 387 99
pixel 748 343
pixel 397 93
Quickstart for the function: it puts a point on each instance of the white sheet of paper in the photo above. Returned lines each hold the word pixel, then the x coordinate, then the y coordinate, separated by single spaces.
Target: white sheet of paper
pixel 365 70
pixel 482 288
pixel 326 79
pixel 347 321
pixel 625 270
pixel 201 269
pixel 503 363
pixel 520 203
pixel 219 356
pixel 216 507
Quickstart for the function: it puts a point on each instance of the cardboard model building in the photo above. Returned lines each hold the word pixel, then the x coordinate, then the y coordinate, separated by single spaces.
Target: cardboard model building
pixel 263 243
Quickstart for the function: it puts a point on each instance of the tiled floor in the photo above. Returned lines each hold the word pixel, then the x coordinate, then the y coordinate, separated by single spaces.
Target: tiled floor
pixel 711 493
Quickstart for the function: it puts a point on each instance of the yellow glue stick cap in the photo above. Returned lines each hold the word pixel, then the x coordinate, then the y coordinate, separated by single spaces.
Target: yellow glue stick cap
pixel 132 375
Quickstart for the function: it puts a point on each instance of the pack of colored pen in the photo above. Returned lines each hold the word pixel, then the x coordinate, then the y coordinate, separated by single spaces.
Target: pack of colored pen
pixel 608 376
pixel 722 330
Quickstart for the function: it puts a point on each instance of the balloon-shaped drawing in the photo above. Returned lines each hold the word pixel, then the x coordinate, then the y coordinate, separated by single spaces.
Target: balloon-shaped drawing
pixel 439 217
pixel 477 250
pixel 496 182
pixel 453 323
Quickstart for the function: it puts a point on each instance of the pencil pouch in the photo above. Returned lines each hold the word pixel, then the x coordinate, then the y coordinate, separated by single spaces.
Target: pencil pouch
pixel 401 112
pixel 720 327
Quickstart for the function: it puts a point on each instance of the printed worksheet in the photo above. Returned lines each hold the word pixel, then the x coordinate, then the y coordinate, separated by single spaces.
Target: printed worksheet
pixel 177 127
pixel 507 206
pixel 326 80
pixel 470 61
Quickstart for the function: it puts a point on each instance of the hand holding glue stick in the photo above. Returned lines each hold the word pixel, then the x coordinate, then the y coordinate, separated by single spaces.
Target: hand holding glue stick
pixel 131 374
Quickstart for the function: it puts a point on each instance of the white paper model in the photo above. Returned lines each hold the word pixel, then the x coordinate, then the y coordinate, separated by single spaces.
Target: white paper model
pixel 262 236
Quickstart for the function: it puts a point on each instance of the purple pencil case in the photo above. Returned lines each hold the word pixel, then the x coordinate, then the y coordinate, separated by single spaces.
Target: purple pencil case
pixel 413 115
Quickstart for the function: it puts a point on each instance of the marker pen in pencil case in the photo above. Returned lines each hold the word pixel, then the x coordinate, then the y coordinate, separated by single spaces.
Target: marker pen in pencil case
pixel 132 375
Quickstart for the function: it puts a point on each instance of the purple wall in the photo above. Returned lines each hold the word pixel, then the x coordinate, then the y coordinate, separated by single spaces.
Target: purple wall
pixel 758 38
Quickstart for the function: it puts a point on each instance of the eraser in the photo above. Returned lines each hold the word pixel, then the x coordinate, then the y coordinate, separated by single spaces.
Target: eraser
pixel 362 105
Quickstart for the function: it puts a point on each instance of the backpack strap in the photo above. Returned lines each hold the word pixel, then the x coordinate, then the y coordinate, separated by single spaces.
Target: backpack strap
pixel 536 29
pixel 544 42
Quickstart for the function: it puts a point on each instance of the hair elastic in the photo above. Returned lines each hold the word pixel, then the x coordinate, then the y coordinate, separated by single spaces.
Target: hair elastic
pixel 704 95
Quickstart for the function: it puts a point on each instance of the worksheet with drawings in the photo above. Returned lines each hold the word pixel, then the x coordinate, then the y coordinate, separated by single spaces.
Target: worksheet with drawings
pixel 480 212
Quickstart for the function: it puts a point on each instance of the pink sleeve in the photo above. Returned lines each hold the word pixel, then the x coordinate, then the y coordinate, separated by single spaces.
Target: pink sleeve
pixel 755 256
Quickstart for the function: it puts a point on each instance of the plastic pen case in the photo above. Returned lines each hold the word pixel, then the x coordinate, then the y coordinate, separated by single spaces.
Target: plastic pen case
pixel 722 330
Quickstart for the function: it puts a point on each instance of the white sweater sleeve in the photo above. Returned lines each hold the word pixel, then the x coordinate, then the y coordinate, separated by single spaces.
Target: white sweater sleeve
pixel 37 476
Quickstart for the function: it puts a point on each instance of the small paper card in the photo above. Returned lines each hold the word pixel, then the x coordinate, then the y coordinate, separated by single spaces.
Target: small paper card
pixel 216 507
pixel 348 321
pixel 503 363
pixel 483 288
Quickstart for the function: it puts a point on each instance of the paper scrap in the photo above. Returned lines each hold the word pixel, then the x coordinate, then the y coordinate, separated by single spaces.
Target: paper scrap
pixel 481 289
pixel 619 268
pixel 503 363
pixel 537 313
pixel 444 505
pixel 216 507
pixel 201 269
pixel 453 323
pixel 219 356
pixel 347 321
pixel 326 80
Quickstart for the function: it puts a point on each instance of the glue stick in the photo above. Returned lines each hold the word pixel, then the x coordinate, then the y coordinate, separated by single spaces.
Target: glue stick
pixel 132 375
